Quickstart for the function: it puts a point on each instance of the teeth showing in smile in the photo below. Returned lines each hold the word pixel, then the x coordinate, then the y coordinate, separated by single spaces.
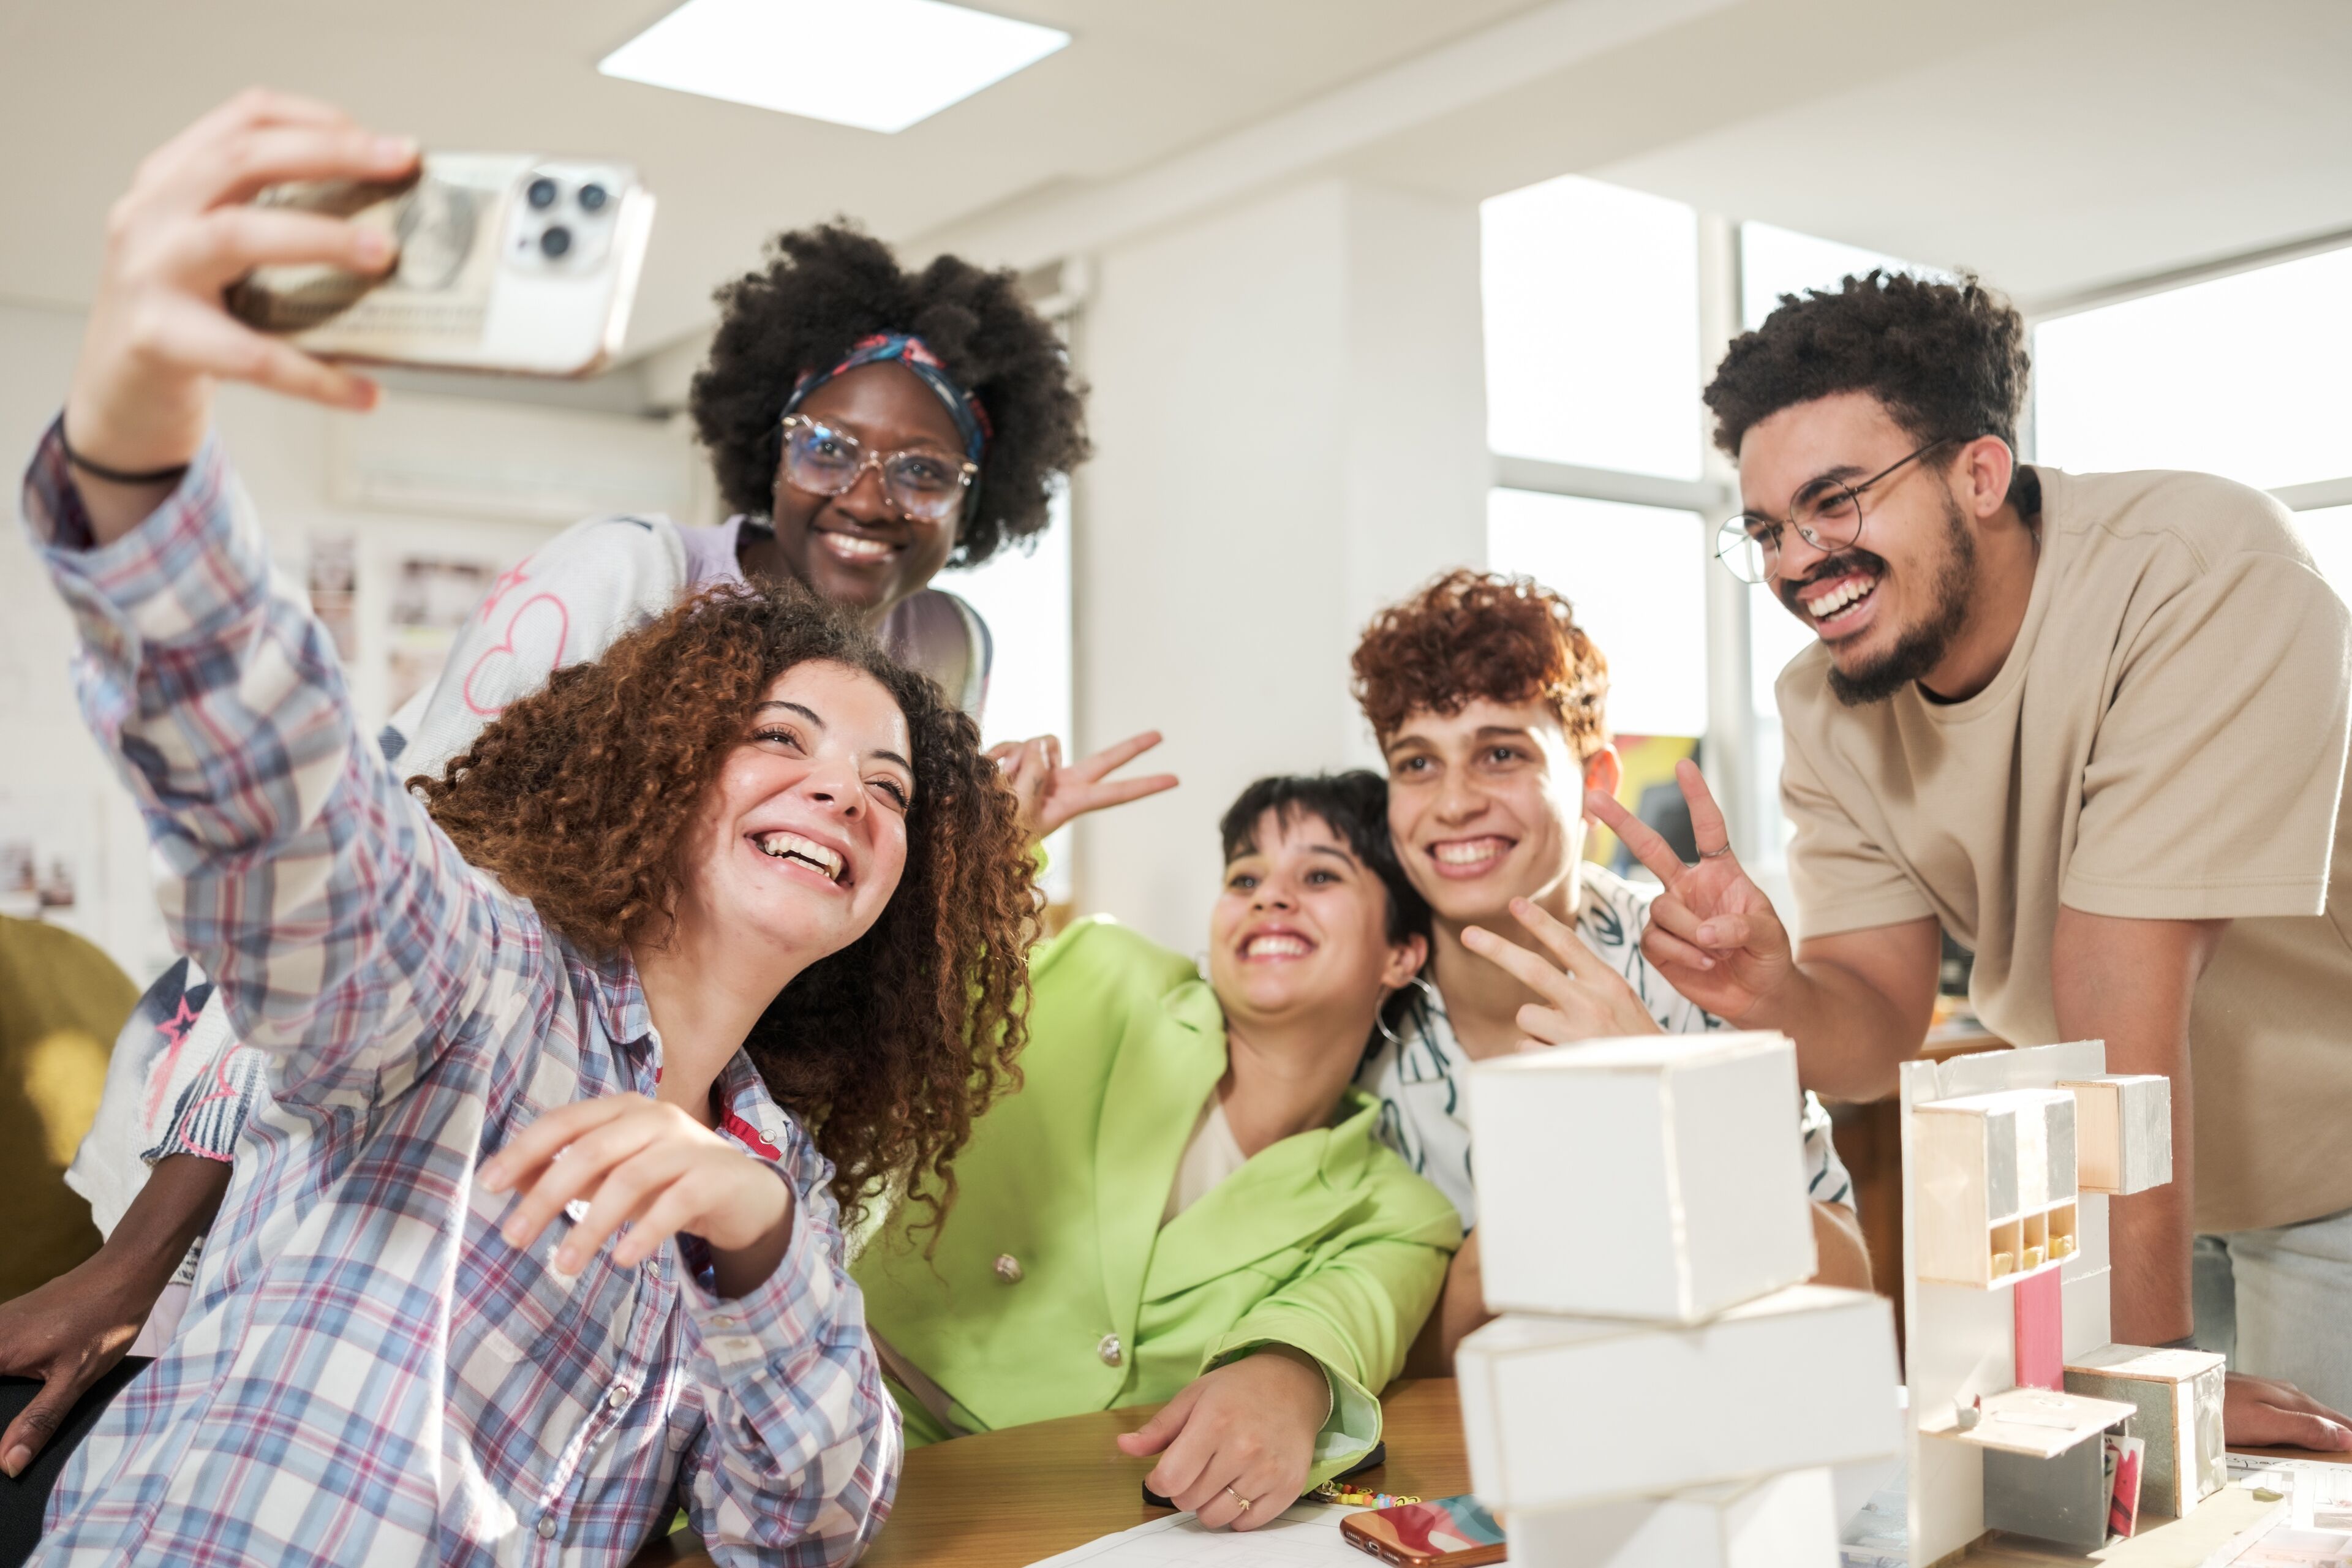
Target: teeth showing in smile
pixel 1276 945
pixel 793 846
pixel 1852 591
pixel 1468 852
pixel 856 549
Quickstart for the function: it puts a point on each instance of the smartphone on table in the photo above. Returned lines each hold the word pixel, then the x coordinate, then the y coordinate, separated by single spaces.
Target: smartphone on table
pixel 1444 1532
pixel 508 261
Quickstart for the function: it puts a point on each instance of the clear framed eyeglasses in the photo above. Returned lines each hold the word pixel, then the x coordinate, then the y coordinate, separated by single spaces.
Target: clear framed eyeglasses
pixel 827 461
pixel 1825 513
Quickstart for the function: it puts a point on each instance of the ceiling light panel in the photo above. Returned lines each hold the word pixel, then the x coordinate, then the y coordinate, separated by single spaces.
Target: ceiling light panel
pixel 880 64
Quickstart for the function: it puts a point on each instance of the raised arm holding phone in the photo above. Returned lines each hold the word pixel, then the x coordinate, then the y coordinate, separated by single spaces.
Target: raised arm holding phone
pixel 418 1313
pixel 819 340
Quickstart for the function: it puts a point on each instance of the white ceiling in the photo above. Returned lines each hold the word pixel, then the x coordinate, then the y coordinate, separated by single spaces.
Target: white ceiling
pixel 86 86
pixel 2053 147
pixel 2053 144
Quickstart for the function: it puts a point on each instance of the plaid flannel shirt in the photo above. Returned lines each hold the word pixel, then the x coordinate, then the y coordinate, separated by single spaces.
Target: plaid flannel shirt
pixel 367 1372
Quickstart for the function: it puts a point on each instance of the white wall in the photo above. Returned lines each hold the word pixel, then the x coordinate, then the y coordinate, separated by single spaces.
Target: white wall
pixel 51 773
pixel 1288 413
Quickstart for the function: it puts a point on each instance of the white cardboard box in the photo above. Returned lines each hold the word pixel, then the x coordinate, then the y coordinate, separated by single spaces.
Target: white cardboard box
pixel 2122 1127
pixel 1659 1177
pixel 2178 1395
pixel 1780 1521
pixel 1996 1195
pixel 1569 1411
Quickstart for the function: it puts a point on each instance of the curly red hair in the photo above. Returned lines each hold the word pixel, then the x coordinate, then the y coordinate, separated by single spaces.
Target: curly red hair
pixel 1470 634
pixel 578 797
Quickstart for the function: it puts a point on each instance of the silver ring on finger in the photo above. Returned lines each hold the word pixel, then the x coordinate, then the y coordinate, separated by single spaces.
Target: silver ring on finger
pixel 1715 854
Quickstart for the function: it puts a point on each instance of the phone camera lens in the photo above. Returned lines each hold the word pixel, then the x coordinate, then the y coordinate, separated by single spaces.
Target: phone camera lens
pixel 543 193
pixel 591 198
pixel 555 242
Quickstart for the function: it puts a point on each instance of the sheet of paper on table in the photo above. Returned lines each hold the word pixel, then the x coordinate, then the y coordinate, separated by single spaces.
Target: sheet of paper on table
pixel 1305 1535
pixel 2288 1547
pixel 2319 1493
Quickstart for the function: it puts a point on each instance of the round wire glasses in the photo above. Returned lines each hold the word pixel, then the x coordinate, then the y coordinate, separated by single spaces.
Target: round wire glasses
pixel 923 486
pixel 1826 513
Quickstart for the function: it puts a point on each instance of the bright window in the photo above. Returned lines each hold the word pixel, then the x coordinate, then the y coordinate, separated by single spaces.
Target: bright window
pixel 2328 532
pixel 2242 376
pixel 1591 309
pixel 1637 576
pixel 1026 600
pixel 1777 261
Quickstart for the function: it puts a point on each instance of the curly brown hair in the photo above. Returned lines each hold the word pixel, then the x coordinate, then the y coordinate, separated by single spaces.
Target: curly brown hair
pixel 579 795
pixel 1948 359
pixel 1470 634
pixel 824 289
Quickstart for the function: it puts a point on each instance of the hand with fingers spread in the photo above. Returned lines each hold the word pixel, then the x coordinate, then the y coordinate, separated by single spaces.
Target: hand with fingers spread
pixel 650 1165
pixel 2262 1412
pixel 1584 999
pixel 1713 934
pixel 1051 793
pixel 1236 1443
pixel 158 335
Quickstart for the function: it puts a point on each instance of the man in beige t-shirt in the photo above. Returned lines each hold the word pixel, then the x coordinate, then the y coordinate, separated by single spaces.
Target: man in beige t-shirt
pixel 2095 727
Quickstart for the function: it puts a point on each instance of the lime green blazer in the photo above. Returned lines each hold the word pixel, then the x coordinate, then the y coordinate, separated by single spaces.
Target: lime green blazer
pixel 1053 1289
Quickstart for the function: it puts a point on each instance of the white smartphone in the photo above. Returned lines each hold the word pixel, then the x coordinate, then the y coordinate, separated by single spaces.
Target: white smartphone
pixel 508 262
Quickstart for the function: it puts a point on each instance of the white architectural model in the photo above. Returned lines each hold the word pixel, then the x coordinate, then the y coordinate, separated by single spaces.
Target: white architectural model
pixel 1661 1392
pixel 2023 1416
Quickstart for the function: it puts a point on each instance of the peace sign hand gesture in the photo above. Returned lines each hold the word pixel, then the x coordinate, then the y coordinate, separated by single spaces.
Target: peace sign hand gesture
pixel 1051 793
pixel 1584 998
pixel 1712 934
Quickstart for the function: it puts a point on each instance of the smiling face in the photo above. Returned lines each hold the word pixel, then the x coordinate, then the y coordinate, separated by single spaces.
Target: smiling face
pixel 1890 605
pixel 855 547
pixel 1486 805
pixel 801 839
pixel 1302 928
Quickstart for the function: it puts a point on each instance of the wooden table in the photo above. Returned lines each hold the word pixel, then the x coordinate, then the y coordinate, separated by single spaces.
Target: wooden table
pixel 1004 1499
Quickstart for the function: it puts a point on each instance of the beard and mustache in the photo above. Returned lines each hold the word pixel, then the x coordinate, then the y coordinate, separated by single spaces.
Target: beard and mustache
pixel 1923 647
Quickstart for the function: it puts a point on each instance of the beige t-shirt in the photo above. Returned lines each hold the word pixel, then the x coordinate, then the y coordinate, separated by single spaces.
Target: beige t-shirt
pixel 2166 740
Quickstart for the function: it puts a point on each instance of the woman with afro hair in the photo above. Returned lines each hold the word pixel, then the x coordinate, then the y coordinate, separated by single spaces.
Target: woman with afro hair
pixel 867 427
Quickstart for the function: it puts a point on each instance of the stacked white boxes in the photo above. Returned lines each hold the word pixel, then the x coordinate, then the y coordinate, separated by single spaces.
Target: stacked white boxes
pixel 1662 1390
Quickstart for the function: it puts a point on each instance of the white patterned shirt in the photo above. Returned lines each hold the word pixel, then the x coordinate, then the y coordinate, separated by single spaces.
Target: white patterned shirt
pixel 1417 1077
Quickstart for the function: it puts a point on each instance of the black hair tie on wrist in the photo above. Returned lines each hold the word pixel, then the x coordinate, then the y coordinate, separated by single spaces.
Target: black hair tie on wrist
pixel 171 476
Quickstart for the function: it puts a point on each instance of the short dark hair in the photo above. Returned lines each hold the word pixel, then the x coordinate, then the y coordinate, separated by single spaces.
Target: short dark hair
pixel 1947 360
pixel 825 289
pixel 1355 804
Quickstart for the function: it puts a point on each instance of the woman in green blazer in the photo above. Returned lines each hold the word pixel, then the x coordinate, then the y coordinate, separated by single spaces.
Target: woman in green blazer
pixel 1186 1201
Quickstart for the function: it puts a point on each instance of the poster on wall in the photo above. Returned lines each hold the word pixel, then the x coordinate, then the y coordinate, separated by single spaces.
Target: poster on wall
pixel 431 597
pixel 332 578
pixel 49 868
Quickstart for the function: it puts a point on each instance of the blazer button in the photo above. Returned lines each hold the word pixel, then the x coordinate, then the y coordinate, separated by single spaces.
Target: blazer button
pixel 1008 1269
pixel 1110 1351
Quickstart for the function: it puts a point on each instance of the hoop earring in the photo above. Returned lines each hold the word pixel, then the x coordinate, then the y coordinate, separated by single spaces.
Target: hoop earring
pixel 1380 1018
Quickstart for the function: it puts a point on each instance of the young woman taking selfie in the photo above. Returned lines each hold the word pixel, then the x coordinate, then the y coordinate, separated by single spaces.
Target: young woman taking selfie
pixel 742 857
pixel 868 426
